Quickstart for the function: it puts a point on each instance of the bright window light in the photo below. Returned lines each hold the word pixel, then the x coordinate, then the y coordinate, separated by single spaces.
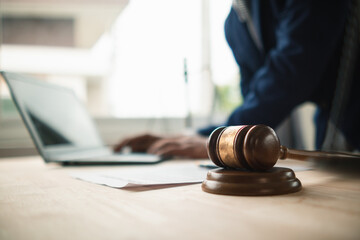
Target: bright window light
pixel 151 39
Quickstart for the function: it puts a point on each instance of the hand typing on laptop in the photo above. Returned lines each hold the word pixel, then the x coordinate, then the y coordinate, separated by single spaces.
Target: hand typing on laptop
pixel 65 134
pixel 179 146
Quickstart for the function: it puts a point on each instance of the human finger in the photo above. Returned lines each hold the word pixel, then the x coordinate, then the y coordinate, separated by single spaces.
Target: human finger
pixel 184 151
pixel 138 143
pixel 193 147
pixel 156 147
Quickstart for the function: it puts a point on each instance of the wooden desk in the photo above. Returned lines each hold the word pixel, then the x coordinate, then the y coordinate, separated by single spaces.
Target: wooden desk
pixel 39 201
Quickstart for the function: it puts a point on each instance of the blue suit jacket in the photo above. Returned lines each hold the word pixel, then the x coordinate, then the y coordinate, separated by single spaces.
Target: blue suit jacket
pixel 298 62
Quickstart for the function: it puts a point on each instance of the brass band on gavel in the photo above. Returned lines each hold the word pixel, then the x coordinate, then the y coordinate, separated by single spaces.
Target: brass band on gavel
pixel 257 147
pixel 254 147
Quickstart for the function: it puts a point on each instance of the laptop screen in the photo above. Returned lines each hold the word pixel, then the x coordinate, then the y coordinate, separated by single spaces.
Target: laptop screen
pixel 54 115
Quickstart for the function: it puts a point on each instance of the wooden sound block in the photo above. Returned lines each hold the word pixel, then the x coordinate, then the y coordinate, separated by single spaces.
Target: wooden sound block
pixel 243 182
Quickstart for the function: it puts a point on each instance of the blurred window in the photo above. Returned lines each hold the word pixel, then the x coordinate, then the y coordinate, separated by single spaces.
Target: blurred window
pixel 122 58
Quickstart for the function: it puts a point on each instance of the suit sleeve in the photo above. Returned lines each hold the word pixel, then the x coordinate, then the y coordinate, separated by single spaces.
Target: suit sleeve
pixel 307 36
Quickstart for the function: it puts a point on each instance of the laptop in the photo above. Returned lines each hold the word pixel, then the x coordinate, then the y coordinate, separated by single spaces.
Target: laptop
pixel 61 127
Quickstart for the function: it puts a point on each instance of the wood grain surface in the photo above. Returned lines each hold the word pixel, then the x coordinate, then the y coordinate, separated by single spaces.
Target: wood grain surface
pixel 39 201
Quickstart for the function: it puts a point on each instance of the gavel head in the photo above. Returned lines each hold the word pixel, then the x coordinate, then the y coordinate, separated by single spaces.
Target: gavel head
pixel 253 147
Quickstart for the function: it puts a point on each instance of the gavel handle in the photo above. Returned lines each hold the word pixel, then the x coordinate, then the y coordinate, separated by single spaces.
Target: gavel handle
pixel 315 155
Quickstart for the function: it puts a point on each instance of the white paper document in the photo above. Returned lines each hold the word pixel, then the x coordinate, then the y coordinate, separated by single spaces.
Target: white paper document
pixel 145 176
pixel 184 173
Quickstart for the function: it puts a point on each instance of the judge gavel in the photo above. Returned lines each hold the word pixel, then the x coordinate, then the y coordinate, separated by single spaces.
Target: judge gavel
pixel 257 148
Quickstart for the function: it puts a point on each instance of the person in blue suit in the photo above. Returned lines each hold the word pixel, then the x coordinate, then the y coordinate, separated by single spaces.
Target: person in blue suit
pixel 288 52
